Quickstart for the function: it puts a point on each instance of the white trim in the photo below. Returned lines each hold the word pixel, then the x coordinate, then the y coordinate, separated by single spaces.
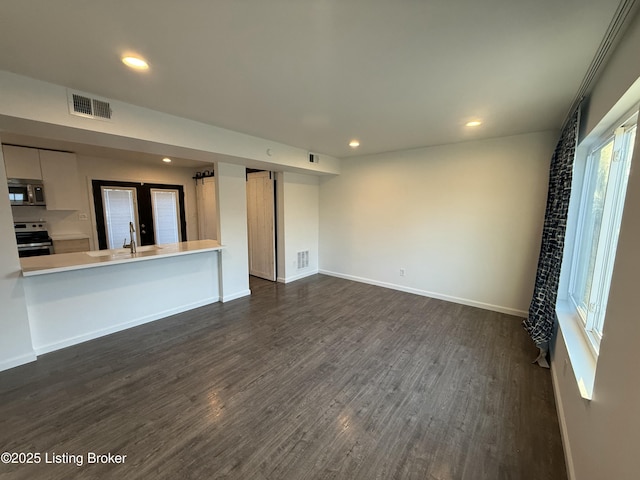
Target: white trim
pixel 588 315
pixel 122 326
pixel 111 242
pixel 235 296
pixel 582 213
pixel 154 212
pixel 581 355
pixel 281 280
pixel 425 293
pixel 564 430
pixel 298 277
pixel 17 361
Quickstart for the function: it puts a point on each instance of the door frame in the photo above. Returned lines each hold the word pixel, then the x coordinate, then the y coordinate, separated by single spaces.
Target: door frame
pixel 136 219
pixel 143 194
pixel 273 247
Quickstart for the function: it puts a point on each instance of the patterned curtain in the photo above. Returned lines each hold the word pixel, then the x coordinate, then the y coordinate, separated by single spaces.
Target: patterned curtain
pixel 542 311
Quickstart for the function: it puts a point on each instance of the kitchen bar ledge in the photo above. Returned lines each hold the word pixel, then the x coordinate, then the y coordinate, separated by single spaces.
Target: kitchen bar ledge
pixel 70 301
pixel 65 262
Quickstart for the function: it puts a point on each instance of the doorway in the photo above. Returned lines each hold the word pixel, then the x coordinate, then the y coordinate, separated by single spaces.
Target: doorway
pixel 156 210
pixel 261 224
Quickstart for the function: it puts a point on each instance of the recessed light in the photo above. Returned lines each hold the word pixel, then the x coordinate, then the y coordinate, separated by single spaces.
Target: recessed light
pixel 473 123
pixel 136 63
pixel 166 160
pixel 354 143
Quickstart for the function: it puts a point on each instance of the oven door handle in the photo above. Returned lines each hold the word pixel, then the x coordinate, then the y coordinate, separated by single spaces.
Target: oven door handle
pixel 34 246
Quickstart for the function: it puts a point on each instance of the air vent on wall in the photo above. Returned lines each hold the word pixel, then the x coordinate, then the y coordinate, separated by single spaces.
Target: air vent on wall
pixel 303 259
pixel 85 106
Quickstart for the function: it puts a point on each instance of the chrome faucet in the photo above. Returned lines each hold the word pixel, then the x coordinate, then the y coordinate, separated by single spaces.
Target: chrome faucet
pixel 132 241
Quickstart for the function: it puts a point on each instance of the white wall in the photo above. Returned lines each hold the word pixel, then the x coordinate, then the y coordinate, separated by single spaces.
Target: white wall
pixel 15 336
pixel 602 436
pixel 621 71
pixel 94 168
pixel 40 109
pixel 298 225
pixel 463 220
pixel 231 191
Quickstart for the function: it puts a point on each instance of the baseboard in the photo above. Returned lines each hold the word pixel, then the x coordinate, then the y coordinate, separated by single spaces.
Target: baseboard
pixel 51 347
pixel 17 361
pixel 281 280
pixel 299 276
pixel 425 293
pixel 568 458
pixel 234 296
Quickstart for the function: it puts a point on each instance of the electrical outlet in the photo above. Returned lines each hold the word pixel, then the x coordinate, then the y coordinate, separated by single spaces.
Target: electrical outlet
pixel 402 272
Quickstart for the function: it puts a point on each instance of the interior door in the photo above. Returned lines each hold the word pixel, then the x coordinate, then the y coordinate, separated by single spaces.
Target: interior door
pixel 261 225
pixel 207 209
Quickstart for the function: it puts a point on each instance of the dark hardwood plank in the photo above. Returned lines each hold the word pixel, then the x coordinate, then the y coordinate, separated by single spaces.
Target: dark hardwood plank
pixel 319 379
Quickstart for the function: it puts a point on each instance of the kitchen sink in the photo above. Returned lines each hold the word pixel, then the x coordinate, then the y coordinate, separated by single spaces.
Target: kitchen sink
pixel 122 252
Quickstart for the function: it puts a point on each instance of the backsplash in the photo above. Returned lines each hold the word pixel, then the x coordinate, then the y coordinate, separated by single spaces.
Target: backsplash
pixel 59 222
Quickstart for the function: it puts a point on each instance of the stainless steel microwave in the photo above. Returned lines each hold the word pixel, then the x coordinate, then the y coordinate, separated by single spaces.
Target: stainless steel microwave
pixel 26 192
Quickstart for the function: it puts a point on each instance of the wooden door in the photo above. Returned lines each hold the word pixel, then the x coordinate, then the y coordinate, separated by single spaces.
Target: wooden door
pixel 207 209
pixel 261 225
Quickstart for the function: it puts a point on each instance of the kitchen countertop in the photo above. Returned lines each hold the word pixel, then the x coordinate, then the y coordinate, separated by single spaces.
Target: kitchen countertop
pixel 65 262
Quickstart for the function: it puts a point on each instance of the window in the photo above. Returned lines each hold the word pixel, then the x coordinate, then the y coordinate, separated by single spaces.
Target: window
pixel 156 210
pixel 120 206
pixel 599 218
pixel 166 215
pixel 16 197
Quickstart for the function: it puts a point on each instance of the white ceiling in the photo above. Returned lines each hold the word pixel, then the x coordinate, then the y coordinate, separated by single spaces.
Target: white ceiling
pixel 88 150
pixel 314 74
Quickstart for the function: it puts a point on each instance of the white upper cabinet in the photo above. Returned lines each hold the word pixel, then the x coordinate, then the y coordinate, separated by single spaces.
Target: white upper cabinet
pixel 60 179
pixel 22 162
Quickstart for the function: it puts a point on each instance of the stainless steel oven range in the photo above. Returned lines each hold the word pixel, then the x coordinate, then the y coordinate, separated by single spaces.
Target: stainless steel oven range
pixel 33 239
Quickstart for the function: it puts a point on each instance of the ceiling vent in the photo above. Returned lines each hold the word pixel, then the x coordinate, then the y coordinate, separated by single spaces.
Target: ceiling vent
pixel 83 105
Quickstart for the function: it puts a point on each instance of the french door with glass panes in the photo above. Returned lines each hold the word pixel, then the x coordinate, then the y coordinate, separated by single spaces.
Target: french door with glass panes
pixel 156 211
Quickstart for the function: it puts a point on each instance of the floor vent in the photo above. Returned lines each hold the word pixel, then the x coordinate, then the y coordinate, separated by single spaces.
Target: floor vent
pixel 303 259
pixel 83 105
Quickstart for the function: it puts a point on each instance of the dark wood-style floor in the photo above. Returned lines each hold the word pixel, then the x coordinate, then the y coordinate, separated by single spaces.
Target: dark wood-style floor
pixel 318 379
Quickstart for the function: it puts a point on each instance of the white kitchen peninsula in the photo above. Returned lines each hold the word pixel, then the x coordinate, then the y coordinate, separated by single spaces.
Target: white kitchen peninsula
pixel 76 297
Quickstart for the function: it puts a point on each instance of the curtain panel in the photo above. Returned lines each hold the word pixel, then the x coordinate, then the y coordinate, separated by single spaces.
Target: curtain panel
pixel 541 321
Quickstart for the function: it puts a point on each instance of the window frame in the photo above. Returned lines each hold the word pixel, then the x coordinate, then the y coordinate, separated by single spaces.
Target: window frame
pixel 112 242
pixel 591 317
pixel 145 234
pixel 176 199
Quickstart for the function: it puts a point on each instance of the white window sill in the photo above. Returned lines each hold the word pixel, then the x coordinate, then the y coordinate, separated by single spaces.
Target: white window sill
pixel 581 354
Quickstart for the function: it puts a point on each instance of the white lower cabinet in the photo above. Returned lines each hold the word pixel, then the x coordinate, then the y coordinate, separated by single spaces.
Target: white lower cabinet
pixel 71 245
